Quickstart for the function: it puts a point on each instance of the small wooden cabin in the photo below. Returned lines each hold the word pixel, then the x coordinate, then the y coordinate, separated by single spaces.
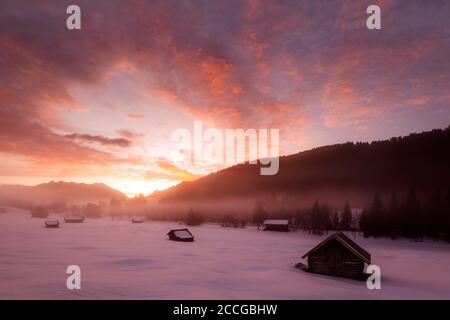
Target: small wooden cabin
pixel 52 224
pixel 74 219
pixel 180 235
pixel 276 225
pixel 339 256
pixel 137 220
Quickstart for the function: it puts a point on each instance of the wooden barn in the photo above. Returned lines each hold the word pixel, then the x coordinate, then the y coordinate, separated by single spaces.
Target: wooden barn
pixel 339 256
pixel 180 235
pixel 276 225
pixel 52 224
pixel 137 220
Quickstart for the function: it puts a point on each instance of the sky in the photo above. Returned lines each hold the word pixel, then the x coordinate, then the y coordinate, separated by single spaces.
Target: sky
pixel 100 104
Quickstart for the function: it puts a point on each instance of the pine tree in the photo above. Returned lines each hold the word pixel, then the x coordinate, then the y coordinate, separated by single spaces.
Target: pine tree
pixel 446 215
pixel 336 224
pixel 325 218
pixel 374 217
pixel 346 218
pixel 364 223
pixel 434 217
pixel 259 214
pixel 393 219
pixel 315 217
pixel 414 222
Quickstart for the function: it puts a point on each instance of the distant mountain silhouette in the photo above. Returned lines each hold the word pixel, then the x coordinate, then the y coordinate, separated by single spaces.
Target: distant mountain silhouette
pixel 331 173
pixel 56 192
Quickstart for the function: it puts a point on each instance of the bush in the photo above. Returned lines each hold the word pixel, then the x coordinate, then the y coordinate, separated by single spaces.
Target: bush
pixel 39 212
pixel 193 218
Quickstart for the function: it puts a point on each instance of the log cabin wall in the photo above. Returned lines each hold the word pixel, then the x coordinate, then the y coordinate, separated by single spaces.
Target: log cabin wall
pixel 273 227
pixel 336 260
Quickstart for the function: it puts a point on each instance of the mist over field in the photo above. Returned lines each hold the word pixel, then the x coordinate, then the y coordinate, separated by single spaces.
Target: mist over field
pixel 351 173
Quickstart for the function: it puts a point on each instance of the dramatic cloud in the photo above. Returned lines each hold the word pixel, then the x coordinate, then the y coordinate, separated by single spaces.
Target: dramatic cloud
pixel 304 67
pixel 17 138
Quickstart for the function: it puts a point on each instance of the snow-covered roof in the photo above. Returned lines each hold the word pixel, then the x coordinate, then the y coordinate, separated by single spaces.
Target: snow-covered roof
pixel 183 234
pixel 347 242
pixel 278 222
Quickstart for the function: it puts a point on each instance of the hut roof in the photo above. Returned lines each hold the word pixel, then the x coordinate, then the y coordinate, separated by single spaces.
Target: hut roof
pixel 52 222
pixel 346 242
pixel 181 233
pixel 276 222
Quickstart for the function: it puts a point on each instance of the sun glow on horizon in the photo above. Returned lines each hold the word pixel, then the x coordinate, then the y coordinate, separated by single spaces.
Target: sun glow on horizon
pixel 135 187
pixel 130 187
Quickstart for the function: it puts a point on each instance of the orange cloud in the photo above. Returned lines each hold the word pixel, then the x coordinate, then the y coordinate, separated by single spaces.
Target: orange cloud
pixel 117 142
pixel 134 116
pixel 176 172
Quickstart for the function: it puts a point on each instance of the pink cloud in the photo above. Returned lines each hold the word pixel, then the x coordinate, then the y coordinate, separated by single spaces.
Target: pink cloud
pixel 255 64
pixel 118 142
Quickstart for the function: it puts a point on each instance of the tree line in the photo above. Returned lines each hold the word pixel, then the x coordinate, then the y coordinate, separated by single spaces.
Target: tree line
pixel 409 217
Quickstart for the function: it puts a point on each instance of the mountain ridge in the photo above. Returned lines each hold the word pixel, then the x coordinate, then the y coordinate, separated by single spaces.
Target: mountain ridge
pixel 57 192
pixel 416 160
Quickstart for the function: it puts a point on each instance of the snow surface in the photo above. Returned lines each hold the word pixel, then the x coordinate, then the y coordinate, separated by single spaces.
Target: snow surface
pixel 122 260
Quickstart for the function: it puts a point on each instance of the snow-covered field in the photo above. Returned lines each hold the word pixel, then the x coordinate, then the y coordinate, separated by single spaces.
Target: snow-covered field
pixel 121 260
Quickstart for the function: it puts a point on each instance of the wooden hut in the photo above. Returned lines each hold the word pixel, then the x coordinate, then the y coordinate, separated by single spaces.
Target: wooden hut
pixel 73 219
pixel 137 220
pixel 276 225
pixel 340 256
pixel 180 235
pixel 52 224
